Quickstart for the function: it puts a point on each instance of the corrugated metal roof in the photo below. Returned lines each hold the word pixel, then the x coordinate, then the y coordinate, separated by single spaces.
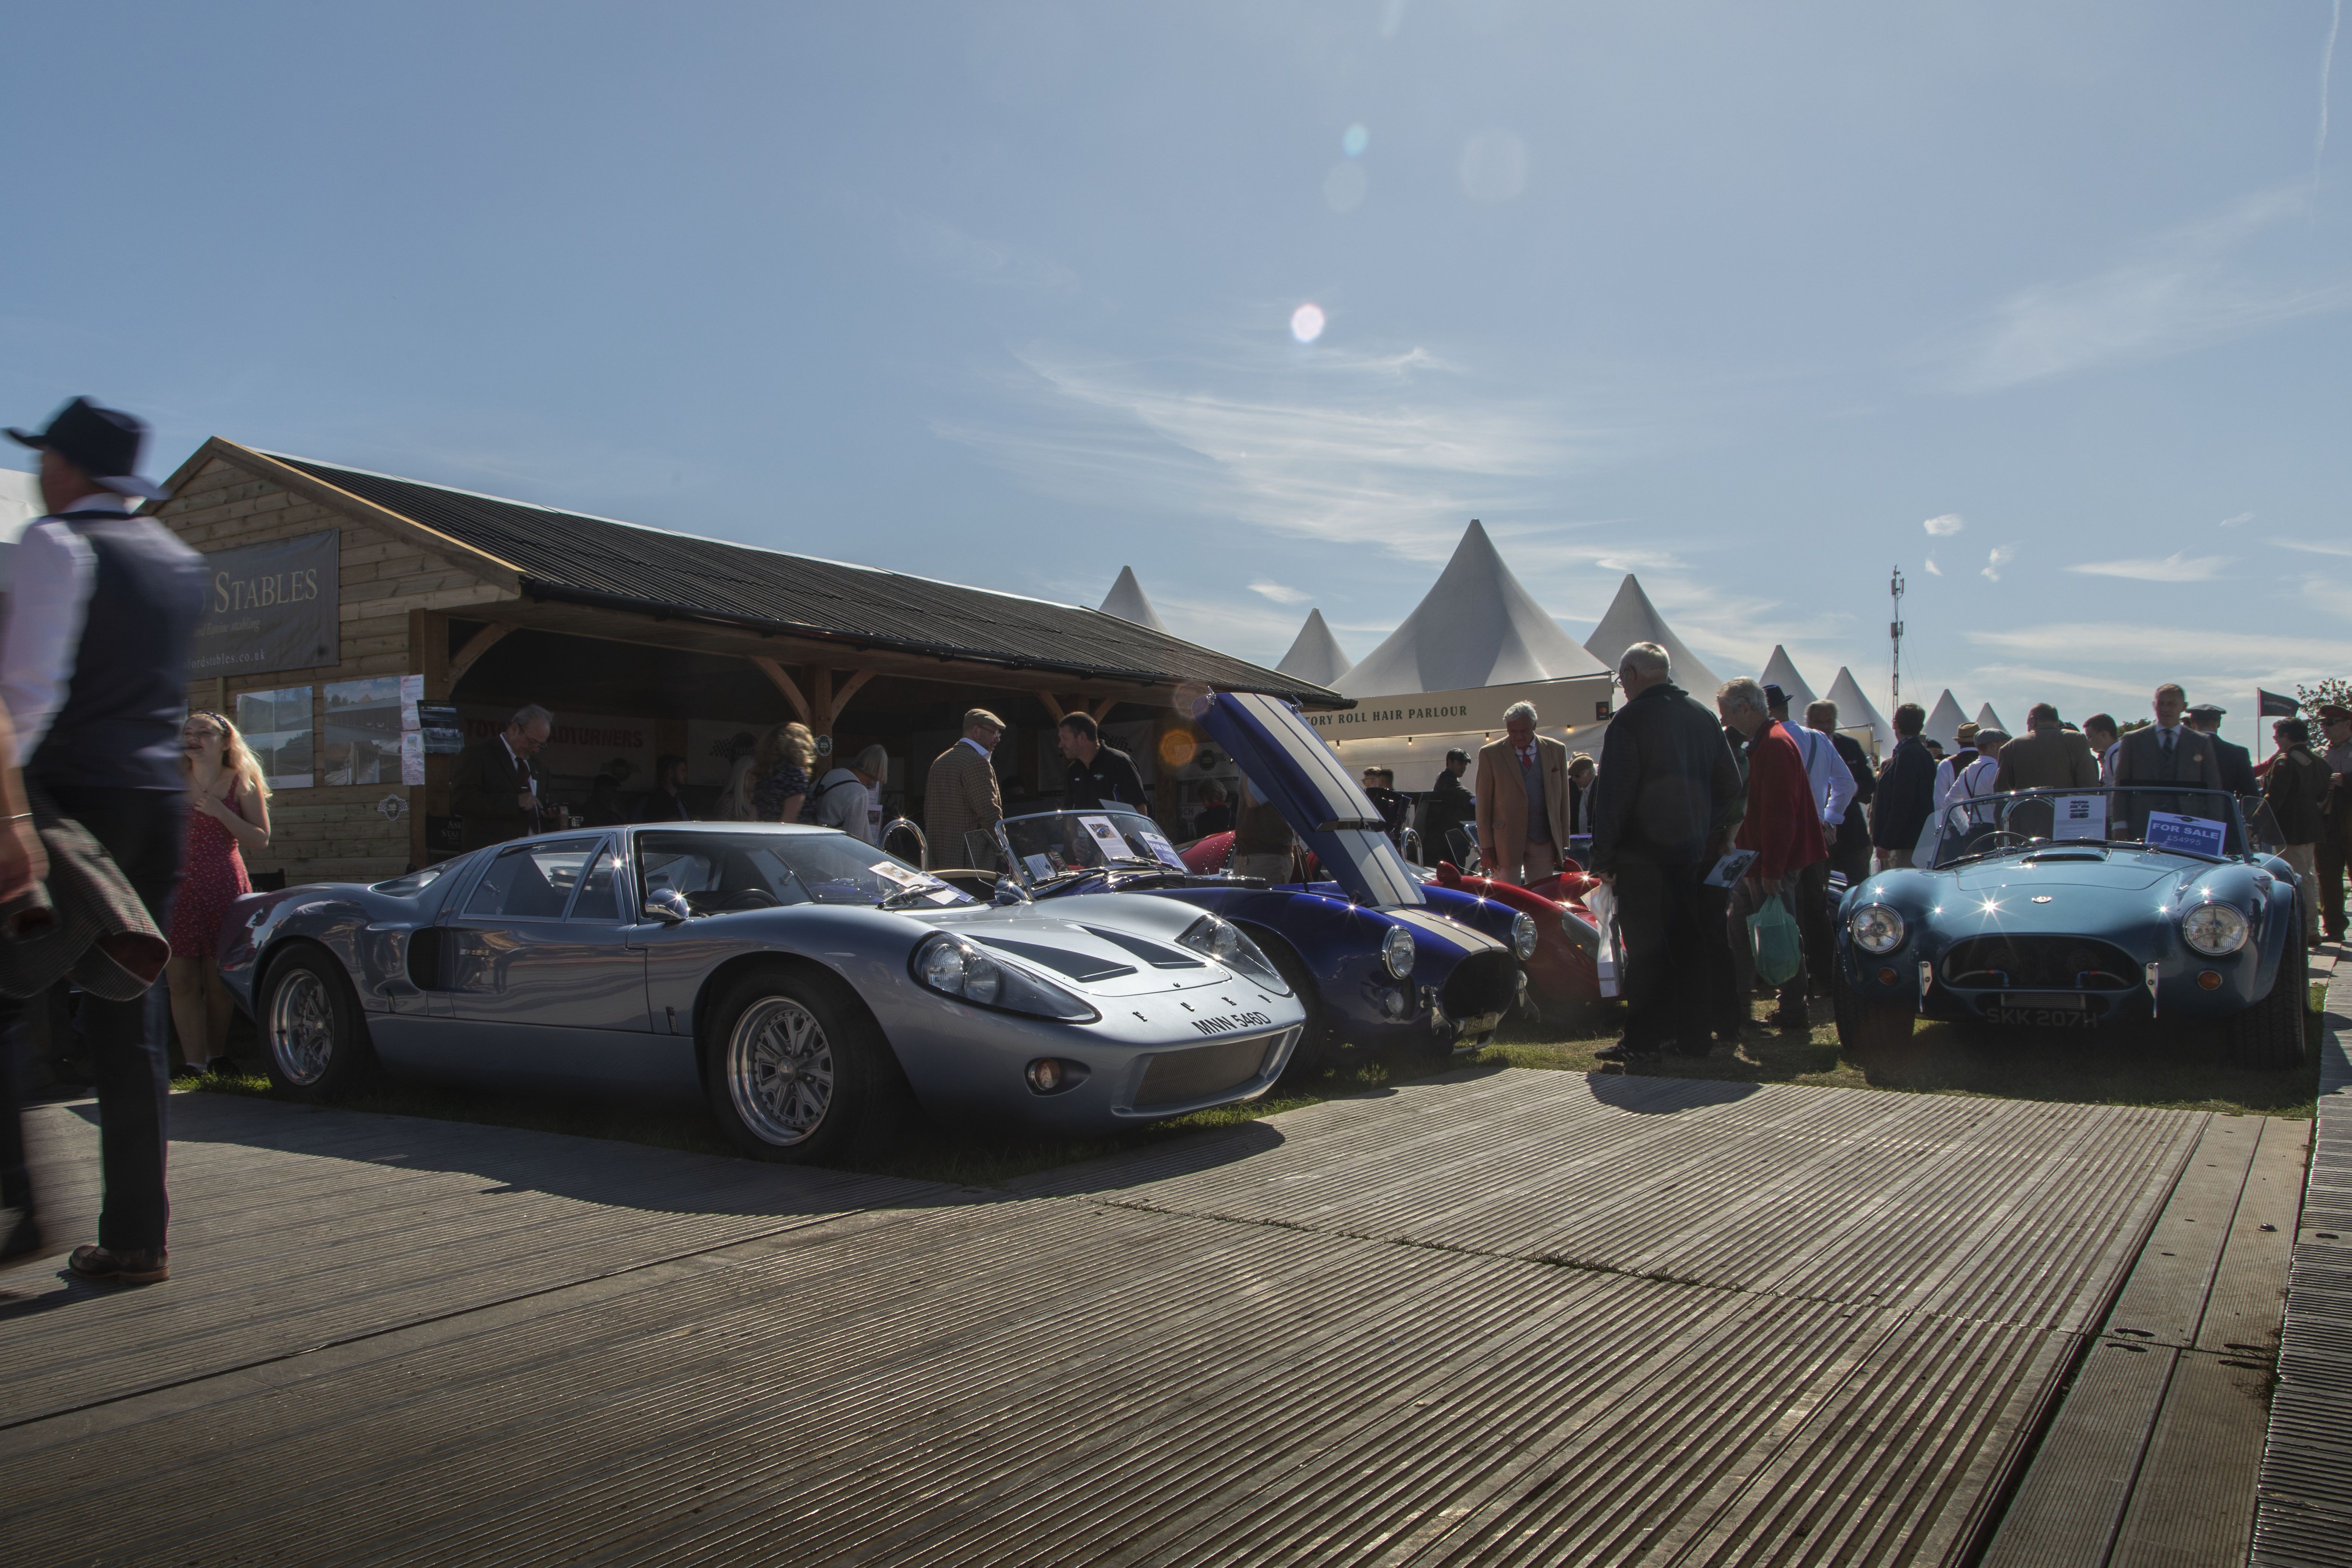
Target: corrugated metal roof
pixel 573 557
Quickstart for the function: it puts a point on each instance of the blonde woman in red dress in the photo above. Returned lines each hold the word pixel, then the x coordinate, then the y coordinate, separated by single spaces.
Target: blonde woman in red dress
pixel 228 816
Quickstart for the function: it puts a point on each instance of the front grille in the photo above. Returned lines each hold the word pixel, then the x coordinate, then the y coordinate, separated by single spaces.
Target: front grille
pixel 1177 1077
pixel 2034 963
pixel 1482 983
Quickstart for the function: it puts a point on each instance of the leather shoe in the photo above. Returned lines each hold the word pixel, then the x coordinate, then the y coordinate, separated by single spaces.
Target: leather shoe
pixel 1626 1052
pixel 127 1266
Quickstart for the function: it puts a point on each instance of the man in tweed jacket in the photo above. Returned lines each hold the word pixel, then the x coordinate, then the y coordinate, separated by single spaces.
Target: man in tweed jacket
pixel 961 793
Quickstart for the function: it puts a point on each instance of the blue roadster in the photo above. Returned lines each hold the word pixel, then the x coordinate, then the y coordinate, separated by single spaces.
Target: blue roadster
pixel 791 976
pixel 2075 908
pixel 1374 952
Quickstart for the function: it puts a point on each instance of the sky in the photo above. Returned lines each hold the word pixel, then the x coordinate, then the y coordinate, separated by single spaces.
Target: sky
pixel 2049 305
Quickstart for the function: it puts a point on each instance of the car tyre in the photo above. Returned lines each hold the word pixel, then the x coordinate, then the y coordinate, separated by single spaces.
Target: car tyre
pixel 313 1033
pixel 1313 1052
pixel 1865 1027
pixel 792 1072
pixel 2269 1036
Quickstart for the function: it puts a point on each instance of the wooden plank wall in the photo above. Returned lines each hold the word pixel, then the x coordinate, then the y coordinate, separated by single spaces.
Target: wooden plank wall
pixel 321 833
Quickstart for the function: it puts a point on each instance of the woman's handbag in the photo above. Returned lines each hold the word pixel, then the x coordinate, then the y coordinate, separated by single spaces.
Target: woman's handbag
pixel 1780 945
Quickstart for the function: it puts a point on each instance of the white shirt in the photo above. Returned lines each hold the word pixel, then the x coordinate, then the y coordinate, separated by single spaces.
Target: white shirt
pixel 975 745
pixel 2107 762
pixel 530 778
pixel 1947 772
pixel 49 601
pixel 1833 783
pixel 1975 781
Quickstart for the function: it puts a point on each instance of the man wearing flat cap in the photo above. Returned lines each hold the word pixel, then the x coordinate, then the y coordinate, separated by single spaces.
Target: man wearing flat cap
pixel 94 669
pixel 960 795
pixel 2237 764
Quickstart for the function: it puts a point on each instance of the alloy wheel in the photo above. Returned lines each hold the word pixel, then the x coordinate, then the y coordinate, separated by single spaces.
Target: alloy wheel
pixel 780 1071
pixel 302 1028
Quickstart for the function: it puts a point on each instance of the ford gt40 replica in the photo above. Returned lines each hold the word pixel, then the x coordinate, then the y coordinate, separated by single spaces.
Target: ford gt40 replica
pixel 1375 954
pixel 788 975
pixel 2076 908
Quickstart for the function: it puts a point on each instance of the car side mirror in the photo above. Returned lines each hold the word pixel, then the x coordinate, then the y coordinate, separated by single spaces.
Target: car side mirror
pixel 1009 891
pixel 666 905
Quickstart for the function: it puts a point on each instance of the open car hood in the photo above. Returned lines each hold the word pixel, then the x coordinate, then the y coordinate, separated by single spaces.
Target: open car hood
pixel 1292 766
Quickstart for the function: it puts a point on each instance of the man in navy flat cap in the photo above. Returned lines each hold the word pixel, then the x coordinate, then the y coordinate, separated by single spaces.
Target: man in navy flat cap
pixel 93 669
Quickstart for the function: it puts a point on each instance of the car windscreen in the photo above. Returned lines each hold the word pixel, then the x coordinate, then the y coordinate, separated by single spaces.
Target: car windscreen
pixel 2195 822
pixel 723 873
pixel 1057 843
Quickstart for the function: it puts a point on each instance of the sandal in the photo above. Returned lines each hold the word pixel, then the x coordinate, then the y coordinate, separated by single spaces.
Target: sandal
pixel 130 1265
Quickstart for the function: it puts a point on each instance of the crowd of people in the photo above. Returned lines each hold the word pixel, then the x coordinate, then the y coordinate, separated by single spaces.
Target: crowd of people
pixel 1679 789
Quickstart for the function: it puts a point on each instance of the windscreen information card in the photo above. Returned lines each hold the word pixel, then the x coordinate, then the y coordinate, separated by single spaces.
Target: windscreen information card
pixel 2080 817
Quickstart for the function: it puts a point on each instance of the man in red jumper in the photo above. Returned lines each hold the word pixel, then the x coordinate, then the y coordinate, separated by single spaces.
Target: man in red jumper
pixel 1783 826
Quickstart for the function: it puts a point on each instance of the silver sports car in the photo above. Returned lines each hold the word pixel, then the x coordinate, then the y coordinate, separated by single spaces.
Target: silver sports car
pixel 788 975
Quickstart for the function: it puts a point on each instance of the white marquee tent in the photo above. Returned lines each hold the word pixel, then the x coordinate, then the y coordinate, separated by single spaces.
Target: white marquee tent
pixel 20 503
pixel 1126 602
pixel 1315 654
pixel 1945 719
pixel 1631 618
pixel 1780 671
pixel 1476 642
pixel 1855 714
pixel 1986 716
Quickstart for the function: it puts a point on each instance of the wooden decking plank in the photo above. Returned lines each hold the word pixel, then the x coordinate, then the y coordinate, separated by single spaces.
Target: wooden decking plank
pixel 2067 1508
pixel 2194 1504
pixel 2243 1315
pixel 2163 1302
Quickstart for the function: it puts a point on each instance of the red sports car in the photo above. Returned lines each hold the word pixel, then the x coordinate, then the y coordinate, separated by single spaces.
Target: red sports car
pixel 1564 973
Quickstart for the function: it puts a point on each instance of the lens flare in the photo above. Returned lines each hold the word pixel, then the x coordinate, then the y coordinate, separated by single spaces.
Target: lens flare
pixel 1356 140
pixel 1307 323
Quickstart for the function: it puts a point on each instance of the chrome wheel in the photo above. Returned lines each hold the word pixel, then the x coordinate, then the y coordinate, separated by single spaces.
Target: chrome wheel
pixel 302 1027
pixel 780 1071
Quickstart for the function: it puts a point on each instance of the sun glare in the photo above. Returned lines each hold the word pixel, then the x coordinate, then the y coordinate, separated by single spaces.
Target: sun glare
pixel 1307 323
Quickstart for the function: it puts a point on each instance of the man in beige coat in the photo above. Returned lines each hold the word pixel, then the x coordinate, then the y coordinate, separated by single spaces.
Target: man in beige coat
pixel 2048 757
pixel 1522 800
pixel 961 794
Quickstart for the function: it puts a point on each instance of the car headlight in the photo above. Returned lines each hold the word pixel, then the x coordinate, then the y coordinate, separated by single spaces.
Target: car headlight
pixel 1396 952
pixel 1523 935
pixel 1230 945
pixel 2213 929
pixel 954 967
pixel 1877 928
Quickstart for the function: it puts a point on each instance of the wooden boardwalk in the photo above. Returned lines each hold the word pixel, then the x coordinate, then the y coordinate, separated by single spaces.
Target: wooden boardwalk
pixel 1510 1316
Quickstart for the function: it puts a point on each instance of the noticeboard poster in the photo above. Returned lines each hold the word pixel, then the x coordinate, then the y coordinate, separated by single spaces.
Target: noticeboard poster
pixel 271 607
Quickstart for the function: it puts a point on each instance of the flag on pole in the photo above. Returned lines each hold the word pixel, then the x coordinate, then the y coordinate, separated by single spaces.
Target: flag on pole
pixel 2274 706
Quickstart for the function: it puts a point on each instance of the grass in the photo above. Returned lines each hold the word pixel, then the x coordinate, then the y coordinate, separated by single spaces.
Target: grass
pixel 2172 1070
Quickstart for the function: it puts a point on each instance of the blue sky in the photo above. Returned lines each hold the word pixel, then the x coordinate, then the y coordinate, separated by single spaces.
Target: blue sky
pixel 1751 300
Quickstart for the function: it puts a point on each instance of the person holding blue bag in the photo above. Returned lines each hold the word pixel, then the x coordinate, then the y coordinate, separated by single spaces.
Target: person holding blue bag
pixel 1783 826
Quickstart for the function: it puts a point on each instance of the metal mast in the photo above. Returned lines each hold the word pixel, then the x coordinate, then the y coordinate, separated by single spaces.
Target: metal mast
pixel 1895 635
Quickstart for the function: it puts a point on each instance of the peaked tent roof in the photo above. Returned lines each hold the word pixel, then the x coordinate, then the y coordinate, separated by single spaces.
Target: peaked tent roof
pixel 1944 719
pixel 1985 715
pixel 1475 626
pixel 1631 618
pixel 1855 710
pixel 573 558
pixel 1315 654
pixel 1780 671
pixel 1126 601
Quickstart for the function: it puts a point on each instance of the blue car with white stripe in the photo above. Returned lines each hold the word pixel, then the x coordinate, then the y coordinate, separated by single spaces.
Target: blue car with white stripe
pixel 1375 954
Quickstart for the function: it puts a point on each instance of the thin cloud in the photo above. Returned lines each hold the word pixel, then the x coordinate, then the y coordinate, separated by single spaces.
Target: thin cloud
pixel 2314 546
pixel 1380 449
pixel 2242 518
pixel 1944 527
pixel 1934 570
pixel 1279 593
pixel 2187 290
pixel 2000 556
pixel 2327 66
pixel 2178 567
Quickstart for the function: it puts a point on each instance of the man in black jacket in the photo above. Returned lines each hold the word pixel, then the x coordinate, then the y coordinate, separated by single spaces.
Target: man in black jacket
pixel 1662 811
pixel 2237 762
pixel 1906 791
pixel 1850 850
pixel 1099 776
pixel 2297 791
pixel 1447 807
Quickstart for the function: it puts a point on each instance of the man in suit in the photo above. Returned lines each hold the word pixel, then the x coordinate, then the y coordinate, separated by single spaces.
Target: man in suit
pixel 1522 800
pixel 494 788
pixel 2047 756
pixel 2296 792
pixel 960 795
pixel 1448 806
pixel 2236 762
pixel 1906 791
pixel 2169 751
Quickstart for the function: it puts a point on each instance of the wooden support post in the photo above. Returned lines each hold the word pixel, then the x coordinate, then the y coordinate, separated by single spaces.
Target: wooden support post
pixel 847 689
pixel 480 643
pixel 1103 707
pixel 820 701
pixel 783 683
pixel 1052 705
